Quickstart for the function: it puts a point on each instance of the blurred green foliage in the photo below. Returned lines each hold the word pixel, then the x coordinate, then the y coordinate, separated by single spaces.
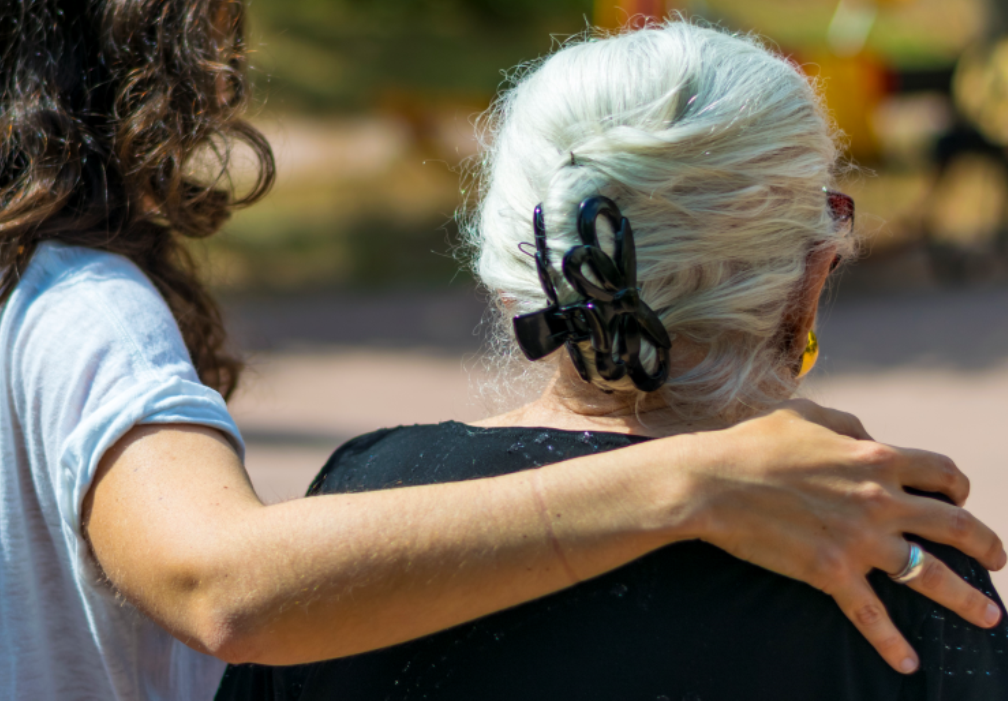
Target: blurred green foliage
pixel 343 55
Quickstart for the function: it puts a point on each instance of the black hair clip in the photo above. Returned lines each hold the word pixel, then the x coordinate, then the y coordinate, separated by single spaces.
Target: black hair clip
pixel 610 313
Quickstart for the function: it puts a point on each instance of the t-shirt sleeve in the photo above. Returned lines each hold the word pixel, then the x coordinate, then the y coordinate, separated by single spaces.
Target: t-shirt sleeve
pixel 98 352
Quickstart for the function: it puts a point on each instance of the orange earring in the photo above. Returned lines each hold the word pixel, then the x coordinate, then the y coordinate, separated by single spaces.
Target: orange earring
pixel 810 356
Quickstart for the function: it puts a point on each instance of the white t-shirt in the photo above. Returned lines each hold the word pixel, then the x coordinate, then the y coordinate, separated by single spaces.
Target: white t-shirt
pixel 88 349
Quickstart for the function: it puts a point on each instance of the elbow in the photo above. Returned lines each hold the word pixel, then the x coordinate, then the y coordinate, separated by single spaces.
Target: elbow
pixel 224 612
pixel 237 650
pixel 229 635
pixel 215 610
pixel 220 621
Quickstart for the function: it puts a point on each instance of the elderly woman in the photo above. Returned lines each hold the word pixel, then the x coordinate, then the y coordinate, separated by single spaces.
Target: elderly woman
pixel 657 227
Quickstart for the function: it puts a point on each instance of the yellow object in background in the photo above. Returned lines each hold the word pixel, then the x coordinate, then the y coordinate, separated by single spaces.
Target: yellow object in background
pixel 853 86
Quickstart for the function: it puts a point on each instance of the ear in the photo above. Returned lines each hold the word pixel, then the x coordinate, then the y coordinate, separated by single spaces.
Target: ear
pixel 801 318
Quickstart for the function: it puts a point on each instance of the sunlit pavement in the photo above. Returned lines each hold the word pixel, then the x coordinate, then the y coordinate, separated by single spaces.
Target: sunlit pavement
pixel 926 371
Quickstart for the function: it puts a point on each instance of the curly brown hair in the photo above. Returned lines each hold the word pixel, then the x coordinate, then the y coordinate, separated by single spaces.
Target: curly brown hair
pixel 119 119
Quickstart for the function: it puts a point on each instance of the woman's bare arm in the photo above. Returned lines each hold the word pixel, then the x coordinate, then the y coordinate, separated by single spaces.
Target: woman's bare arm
pixel 177 528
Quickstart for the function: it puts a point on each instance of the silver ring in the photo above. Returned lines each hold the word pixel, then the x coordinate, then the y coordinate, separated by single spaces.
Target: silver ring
pixel 913 567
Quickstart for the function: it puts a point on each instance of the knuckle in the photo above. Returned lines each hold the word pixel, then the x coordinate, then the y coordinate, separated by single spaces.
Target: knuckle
pixel 869 615
pixel 961 524
pixel 878 455
pixel 874 498
pixel 949 474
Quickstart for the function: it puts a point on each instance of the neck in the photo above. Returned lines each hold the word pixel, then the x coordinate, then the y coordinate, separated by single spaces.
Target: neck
pixel 571 404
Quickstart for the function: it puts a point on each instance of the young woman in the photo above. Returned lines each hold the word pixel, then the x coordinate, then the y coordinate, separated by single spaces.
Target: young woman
pixel 682 233
pixel 136 554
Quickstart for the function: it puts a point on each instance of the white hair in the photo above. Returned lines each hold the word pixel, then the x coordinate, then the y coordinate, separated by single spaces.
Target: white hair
pixel 714 148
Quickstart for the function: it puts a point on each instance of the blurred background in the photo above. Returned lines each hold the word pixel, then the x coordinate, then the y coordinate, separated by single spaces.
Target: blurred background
pixel 345 292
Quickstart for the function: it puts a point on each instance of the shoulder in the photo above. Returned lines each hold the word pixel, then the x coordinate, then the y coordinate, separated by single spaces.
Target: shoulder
pixel 370 461
pixel 87 302
pixel 414 455
pixel 84 280
pixel 452 452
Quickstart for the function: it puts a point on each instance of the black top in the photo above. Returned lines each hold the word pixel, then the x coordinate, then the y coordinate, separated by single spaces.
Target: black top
pixel 686 623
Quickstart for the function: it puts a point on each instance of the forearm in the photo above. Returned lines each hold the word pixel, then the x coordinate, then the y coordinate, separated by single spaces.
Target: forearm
pixel 336 575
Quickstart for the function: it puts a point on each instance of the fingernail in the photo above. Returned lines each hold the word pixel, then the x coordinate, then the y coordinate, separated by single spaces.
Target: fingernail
pixel 992 614
pixel 908 665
